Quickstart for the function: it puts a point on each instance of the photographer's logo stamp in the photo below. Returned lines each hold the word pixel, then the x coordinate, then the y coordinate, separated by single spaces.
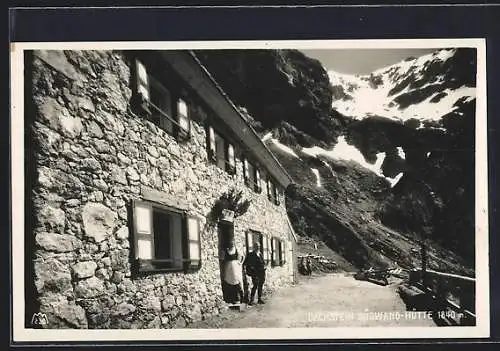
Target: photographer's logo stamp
pixel 39 319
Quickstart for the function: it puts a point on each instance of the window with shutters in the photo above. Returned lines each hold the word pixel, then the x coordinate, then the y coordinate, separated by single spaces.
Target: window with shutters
pixel 277 195
pixel 161 103
pixel 265 246
pixel 272 191
pixel 165 239
pixel 251 237
pixel 220 151
pixel 252 176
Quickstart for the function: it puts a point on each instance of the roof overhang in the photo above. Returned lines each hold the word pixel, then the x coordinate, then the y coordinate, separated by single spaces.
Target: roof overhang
pixel 190 69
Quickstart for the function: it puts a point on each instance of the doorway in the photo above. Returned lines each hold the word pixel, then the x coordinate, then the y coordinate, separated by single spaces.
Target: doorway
pixel 226 235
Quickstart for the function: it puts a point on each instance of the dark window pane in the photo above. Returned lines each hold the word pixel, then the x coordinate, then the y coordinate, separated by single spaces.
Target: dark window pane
pixel 161 111
pixel 251 174
pixel 220 151
pixel 168 235
pixel 163 236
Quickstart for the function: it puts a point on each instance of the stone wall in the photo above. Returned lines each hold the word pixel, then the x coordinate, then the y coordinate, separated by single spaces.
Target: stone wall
pixel 90 158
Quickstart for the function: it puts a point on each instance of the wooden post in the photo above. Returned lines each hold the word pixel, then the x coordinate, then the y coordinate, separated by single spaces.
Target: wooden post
pixel 423 256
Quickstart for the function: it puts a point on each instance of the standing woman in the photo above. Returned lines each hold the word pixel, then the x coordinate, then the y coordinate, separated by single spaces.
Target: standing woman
pixel 233 276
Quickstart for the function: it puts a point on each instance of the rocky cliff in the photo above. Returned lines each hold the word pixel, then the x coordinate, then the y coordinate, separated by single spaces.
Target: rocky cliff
pixel 381 162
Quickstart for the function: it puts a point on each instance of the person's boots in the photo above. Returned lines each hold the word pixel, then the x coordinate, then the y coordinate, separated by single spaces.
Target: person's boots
pixel 250 302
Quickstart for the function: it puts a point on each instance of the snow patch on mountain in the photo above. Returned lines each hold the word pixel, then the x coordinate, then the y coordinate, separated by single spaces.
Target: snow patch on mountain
pixel 401 152
pixel 281 147
pixel 428 110
pixel 318 178
pixel 402 91
pixel 346 152
pixel 267 136
pixel 395 180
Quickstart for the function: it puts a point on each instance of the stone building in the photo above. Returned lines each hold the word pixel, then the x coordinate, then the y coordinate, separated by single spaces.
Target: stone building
pixel 128 154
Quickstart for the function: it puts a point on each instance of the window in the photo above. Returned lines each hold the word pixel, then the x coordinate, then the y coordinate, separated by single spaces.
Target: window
pixel 220 151
pixel 266 249
pixel 161 111
pixel 282 252
pixel 278 195
pixel 272 192
pixel 156 100
pixel 256 236
pixel 278 252
pixel 251 237
pixel 165 239
pixel 251 175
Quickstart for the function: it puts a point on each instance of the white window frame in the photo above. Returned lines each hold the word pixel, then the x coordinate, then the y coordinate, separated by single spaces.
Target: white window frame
pixel 144 237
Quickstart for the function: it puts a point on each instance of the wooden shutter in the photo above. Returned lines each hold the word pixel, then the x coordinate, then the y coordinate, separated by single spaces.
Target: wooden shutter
pixel 211 144
pixel 249 240
pixel 268 183
pixel 231 161
pixel 285 252
pixel 183 117
pixel 142 80
pixel 246 172
pixel 271 190
pixel 258 187
pixel 265 248
pixel 143 233
pixel 274 252
pixel 193 243
pixel 276 195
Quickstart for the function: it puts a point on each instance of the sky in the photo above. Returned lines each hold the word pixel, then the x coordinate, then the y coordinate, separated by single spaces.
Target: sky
pixel 362 61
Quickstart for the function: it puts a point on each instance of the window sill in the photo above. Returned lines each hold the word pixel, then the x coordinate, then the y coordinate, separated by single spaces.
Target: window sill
pixel 146 267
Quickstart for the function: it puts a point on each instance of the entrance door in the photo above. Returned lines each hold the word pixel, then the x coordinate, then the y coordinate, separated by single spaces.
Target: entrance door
pixel 226 234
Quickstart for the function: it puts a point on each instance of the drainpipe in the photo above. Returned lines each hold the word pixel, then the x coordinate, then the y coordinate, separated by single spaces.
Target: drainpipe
pixel 294 253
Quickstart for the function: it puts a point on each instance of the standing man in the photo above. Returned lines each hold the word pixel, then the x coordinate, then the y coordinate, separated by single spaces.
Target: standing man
pixel 256 269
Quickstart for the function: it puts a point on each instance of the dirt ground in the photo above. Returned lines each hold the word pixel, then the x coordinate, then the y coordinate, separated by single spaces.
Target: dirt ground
pixel 332 300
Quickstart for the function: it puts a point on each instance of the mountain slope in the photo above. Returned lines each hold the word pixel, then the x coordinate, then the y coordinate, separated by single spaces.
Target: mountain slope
pixel 374 184
pixel 423 88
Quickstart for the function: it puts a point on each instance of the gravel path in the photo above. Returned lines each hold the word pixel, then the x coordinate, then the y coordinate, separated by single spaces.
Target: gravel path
pixel 324 301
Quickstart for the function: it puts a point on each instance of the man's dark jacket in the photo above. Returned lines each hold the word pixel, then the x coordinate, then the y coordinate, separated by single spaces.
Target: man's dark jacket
pixel 254 265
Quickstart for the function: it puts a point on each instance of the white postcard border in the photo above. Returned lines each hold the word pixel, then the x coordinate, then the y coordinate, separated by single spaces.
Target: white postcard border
pixel 21 334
